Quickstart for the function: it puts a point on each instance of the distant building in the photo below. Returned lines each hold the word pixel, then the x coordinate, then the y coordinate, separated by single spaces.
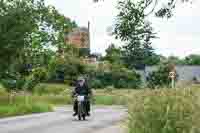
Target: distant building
pixel 80 38
pixel 186 73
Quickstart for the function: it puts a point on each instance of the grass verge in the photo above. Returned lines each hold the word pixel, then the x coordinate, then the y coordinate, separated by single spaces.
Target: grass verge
pixel 22 109
pixel 164 111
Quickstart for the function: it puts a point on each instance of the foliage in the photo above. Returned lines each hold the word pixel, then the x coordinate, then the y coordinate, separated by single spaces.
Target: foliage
pixel 112 76
pixel 96 83
pixel 164 111
pixel 192 59
pixel 18 20
pixel 160 77
pixel 124 78
pixel 175 60
pixel 9 84
pixel 38 75
pixel 137 32
pixel 166 10
pixel 113 54
pixel 69 67
pixel 29 29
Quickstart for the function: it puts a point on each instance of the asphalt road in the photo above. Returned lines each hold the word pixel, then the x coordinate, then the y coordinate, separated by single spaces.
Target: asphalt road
pixel 103 119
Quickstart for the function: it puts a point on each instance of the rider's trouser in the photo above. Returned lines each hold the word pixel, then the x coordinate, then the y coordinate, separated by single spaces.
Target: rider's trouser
pixel 87 105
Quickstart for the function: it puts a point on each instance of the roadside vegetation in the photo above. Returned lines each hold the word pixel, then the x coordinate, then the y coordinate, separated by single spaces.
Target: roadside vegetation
pixel 23 109
pixel 164 111
pixel 47 96
pixel 60 94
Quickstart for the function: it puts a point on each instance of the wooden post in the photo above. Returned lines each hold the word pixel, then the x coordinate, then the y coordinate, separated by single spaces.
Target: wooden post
pixel 172 76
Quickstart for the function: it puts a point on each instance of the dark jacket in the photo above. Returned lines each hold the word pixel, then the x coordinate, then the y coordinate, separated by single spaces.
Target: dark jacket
pixel 82 90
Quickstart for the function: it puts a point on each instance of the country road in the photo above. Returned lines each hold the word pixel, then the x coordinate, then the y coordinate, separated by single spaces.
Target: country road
pixel 103 119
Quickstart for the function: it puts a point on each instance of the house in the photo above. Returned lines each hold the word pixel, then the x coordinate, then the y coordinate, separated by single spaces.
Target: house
pixel 80 38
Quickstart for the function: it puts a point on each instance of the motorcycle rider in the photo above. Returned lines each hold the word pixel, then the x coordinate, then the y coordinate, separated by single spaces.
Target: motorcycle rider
pixel 82 89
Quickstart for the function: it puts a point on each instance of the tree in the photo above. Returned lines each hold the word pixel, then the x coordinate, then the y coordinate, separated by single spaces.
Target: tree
pixel 192 60
pixel 132 28
pixel 27 27
pixel 18 20
pixel 113 54
pixel 175 60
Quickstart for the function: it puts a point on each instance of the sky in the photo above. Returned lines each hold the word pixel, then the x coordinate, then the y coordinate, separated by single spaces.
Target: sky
pixel 178 36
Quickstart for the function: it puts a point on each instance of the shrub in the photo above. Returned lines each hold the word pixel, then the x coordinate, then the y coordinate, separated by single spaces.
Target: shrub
pixel 119 77
pixel 125 78
pixel 38 74
pixel 96 83
pixel 160 78
pixel 164 111
pixel 9 84
pixel 121 84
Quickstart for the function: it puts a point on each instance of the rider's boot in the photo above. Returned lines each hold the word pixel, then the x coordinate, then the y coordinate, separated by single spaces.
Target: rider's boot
pixel 75 114
pixel 88 114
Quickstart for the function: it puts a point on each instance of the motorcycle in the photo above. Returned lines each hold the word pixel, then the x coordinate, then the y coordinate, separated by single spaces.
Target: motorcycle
pixel 81 107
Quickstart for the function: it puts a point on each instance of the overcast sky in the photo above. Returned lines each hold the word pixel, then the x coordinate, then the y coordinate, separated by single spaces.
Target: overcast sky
pixel 179 36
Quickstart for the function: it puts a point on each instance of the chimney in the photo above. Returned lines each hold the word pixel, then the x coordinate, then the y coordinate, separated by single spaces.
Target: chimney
pixel 89 35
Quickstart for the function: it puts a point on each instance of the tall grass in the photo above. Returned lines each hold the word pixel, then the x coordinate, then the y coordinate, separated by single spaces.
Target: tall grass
pixel 164 111
pixel 109 100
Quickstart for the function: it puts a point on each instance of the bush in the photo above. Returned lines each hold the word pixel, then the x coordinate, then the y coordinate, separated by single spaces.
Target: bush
pixel 164 111
pixel 121 84
pixel 125 78
pixel 160 78
pixel 96 83
pixel 9 84
pixel 118 77
pixel 38 75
